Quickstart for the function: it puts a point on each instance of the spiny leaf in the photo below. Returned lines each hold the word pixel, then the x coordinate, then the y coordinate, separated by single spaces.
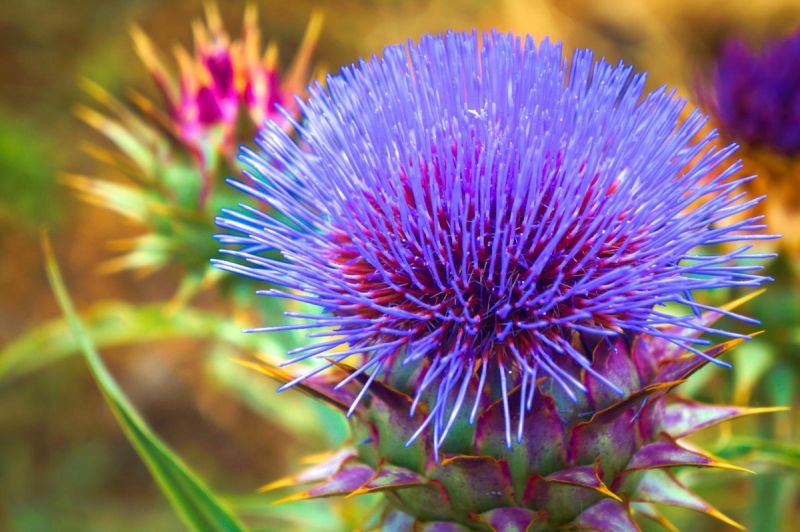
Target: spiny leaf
pixel 683 416
pixel 397 520
pixel 667 453
pixel 322 466
pixel 583 476
pixel 316 388
pixel 389 477
pixel 609 414
pixel 612 360
pixel 394 399
pixel 613 442
pixel 649 511
pixel 707 319
pixel 607 514
pixel 351 476
pixel 192 500
pixel 441 526
pixel 684 366
pixel 542 445
pixel 662 487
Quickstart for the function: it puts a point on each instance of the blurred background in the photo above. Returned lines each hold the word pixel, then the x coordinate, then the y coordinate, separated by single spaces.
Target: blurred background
pixel 168 328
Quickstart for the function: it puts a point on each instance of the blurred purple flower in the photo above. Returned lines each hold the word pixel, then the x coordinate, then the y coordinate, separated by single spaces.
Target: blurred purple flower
pixel 477 211
pixel 755 95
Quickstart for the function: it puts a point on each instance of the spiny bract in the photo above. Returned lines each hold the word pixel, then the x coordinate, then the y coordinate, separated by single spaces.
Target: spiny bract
pixel 601 463
pixel 476 214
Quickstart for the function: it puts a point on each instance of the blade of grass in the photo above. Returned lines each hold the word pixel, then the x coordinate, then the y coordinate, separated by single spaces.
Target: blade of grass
pixel 190 497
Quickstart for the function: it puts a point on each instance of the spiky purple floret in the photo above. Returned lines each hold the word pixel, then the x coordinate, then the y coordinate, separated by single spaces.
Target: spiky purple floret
pixel 475 209
pixel 756 94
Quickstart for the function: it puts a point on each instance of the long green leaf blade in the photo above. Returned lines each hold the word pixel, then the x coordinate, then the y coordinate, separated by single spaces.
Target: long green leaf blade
pixel 189 496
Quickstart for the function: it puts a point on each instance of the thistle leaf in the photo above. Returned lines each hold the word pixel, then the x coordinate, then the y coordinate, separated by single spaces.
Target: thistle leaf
pixel 667 453
pixel 649 511
pixel 685 366
pixel 397 520
pixel 583 476
pixel 317 388
pixel 659 486
pixel 389 477
pixel 392 398
pixel 324 466
pixel 351 476
pixel 683 416
pixel 607 514
pixel 396 427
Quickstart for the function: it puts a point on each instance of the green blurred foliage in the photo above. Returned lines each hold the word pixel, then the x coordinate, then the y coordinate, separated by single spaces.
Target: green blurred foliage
pixel 28 173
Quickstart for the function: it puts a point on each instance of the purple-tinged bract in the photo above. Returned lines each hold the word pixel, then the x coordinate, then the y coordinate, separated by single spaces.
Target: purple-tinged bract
pixel 480 213
pixel 755 94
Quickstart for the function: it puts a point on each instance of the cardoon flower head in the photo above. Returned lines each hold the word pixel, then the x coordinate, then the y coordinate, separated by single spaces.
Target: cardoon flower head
pixel 223 77
pixel 473 215
pixel 755 94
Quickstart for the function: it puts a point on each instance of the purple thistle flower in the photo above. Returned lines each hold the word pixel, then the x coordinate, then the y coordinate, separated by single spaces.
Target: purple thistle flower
pixel 755 95
pixel 478 210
